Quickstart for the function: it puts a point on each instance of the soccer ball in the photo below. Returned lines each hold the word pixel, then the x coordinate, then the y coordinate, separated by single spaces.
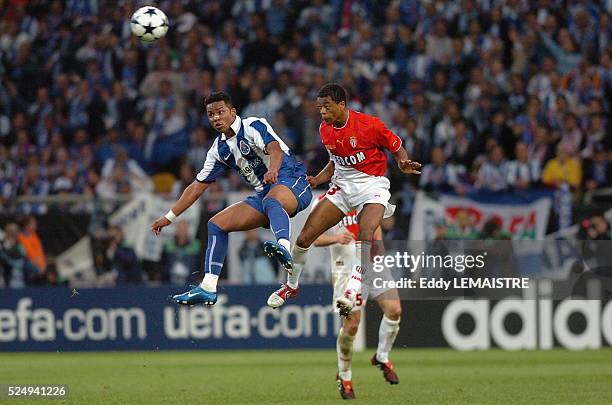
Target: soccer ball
pixel 149 24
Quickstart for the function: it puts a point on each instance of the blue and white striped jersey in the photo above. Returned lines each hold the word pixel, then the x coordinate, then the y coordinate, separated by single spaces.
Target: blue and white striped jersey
pixel 245 152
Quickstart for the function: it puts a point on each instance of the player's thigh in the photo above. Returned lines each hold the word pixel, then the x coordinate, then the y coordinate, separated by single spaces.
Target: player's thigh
pixel 239 217
pixel 369 219
pixel 321 218
pixel 285 196
pixel 389 304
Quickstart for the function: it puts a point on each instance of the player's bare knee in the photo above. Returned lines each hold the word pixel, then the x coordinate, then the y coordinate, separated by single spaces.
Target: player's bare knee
pixel 393 311
pixel 350 325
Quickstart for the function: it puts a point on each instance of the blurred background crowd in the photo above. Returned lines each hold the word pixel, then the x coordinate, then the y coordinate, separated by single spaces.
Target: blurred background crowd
pixel 490 95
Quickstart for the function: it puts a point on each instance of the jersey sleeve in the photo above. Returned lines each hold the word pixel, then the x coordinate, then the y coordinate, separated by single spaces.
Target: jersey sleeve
pixel 263 134
pixel 213 167
pixel 384 137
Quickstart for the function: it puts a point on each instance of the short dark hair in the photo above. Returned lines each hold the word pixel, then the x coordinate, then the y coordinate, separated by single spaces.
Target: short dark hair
pixel 334 91
pixel 218 96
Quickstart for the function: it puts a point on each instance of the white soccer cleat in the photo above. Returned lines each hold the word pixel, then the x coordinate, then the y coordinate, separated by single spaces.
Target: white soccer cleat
pixel 346 303
pixel 282 295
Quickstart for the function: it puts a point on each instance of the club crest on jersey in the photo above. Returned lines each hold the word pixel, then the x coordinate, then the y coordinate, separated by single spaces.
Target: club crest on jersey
pixel 353 141
pixel 245 149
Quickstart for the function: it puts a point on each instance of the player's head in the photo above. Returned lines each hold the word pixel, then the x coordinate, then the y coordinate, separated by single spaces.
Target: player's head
pixel 331 102
pixel 220 111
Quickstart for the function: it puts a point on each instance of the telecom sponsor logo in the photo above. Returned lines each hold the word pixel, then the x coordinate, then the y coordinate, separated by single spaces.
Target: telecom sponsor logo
pixel 26 323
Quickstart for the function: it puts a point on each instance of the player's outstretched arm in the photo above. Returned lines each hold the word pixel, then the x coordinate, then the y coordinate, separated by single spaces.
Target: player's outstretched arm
pixel 343 238
pixel 406 165
pixel 189 196
pixel 324 175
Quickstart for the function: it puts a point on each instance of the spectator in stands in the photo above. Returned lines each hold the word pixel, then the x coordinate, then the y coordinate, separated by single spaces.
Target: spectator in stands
pixel 463 226
pixel 492 175
pixel 122 169
pixel 17 270
pixel 180 184
pixel 522 172
pixel 598 170
pixel 123 260
pixel 28 238
pixel 438 175
pixel 255 266
pixel 180 256
pixel 564 168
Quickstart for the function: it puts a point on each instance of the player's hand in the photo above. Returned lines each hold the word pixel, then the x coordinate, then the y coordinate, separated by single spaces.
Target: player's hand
pixel 409 167
pixel 312 181
pixel 271 177
pixel 160 223
pixel 345 238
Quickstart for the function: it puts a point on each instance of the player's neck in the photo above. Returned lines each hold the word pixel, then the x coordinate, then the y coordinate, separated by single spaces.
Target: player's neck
pixel 341 122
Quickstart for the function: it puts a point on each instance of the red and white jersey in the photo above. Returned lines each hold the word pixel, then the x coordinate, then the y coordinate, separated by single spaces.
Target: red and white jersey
pixel 341 256
pixel 357 148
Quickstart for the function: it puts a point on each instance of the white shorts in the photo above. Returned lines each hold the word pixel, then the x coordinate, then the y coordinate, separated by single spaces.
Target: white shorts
pixel 349 196
pixel 340 281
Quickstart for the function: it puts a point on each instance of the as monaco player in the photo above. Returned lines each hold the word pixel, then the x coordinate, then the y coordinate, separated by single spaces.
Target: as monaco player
pixel 341 241
pixel 356 143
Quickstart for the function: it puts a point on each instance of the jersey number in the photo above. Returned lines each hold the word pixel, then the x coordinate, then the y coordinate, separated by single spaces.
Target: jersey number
pixel 358 300
pixel 333 190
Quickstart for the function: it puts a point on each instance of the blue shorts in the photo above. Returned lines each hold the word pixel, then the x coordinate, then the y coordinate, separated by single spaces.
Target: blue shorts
pixel 293 175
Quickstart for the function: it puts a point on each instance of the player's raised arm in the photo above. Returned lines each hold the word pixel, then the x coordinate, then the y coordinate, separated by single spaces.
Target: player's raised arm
pixel 406 165
pixel 324 175
pixel 213 167
pixel 189 196
pixel 393 143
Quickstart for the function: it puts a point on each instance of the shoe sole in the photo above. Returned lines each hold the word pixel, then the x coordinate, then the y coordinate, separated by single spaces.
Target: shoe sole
pixel 274 252
pixel 191 304
pixel 345 306
pixel 275 306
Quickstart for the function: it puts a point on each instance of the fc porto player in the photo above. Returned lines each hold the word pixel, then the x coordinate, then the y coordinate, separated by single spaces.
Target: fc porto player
pixel 251 147
pixel 356 143
pixel 341 241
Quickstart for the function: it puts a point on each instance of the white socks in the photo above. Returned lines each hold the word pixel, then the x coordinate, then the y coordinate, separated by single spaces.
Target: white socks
pixel 344 348
pixel 387 333
pixel 359 266
pixel 285 243
pixel 210 282
pixel 299 259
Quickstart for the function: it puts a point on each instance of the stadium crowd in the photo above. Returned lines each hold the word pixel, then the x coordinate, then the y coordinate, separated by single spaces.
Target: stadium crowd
pixel 494 95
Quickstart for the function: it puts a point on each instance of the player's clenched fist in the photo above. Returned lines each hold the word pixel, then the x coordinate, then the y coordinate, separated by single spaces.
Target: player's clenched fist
pixel 312 181
pixel 409 167
pixel 271 177
pixel 159 224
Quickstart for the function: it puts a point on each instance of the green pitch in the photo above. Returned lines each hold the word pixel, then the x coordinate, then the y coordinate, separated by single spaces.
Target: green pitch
pixel 430 376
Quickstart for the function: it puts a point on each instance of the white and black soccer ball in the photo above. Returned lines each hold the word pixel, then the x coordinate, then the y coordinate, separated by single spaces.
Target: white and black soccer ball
pixel 149 24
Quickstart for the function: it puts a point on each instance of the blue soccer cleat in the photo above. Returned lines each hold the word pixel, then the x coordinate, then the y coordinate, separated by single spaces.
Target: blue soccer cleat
pixel 196 295
pixel 276 251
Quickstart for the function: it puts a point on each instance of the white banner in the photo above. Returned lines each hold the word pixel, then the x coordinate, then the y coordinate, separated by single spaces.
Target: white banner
pixel 135 219
pixel 76 263
pixel 522 221
pixel 317 269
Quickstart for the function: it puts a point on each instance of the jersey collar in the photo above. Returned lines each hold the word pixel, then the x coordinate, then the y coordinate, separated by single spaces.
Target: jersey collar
pixel 235 127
